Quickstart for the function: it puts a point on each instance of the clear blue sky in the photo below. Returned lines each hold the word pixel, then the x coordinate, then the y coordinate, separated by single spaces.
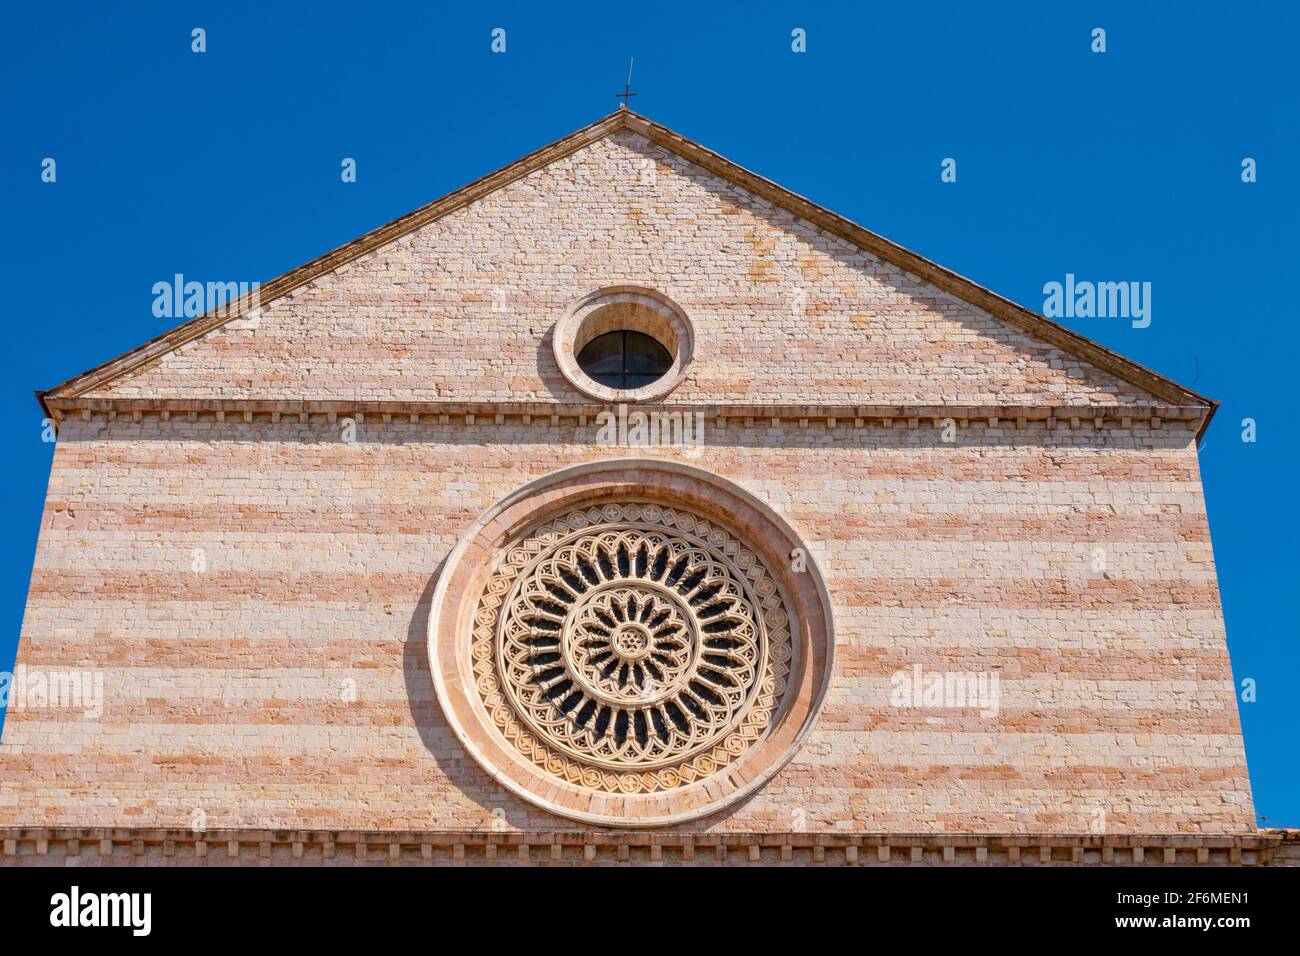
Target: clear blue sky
pixel 1120 166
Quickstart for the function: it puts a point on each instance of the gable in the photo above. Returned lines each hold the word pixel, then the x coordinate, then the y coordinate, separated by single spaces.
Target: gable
pixel 786 310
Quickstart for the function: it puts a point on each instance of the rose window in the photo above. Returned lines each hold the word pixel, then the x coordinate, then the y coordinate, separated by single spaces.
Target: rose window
pixel 631 647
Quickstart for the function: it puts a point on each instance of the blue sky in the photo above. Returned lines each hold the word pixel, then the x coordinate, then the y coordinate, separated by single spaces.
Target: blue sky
pixel 1120 166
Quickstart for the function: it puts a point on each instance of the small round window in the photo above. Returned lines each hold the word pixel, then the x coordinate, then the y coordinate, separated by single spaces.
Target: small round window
pixel 623 344
pixel 624 359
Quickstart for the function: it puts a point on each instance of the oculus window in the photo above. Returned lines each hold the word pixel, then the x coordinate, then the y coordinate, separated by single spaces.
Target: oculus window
pixel 624 359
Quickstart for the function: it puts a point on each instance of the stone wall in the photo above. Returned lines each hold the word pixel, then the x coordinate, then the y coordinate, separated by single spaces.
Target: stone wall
pixel 254 587
pixel 285 684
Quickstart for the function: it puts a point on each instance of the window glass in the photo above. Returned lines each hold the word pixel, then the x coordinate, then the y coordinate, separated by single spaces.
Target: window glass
pixel 624 359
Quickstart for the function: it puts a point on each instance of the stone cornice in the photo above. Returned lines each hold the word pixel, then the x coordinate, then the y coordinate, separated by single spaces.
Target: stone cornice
pixel 122 845
pixel 321 265
pixel 475 413
pixel 957 285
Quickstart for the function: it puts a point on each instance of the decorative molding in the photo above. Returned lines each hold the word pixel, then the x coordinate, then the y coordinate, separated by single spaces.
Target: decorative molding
pixel 296 278
pixel 617 308
pixel 117 846
pixel 245 411
pixel 958 285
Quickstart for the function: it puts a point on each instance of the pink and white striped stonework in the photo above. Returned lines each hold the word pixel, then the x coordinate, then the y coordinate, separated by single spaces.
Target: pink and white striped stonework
pixel 276 535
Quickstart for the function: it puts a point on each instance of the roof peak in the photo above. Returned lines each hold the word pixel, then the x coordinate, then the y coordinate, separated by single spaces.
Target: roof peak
pixel 623 117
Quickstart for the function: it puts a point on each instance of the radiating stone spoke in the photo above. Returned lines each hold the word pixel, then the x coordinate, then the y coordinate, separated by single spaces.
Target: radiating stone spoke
pixel 634 648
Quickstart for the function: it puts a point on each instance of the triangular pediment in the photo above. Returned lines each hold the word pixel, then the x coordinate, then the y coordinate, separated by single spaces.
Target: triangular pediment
pixel 791 304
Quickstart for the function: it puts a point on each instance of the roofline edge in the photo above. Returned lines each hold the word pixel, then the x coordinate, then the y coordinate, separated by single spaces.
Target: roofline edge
pixel 943 278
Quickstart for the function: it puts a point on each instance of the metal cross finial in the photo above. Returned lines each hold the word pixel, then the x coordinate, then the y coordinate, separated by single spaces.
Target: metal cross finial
pixel 627 94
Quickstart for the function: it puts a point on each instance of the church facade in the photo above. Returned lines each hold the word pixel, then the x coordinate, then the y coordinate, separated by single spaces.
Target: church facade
pixel 623 506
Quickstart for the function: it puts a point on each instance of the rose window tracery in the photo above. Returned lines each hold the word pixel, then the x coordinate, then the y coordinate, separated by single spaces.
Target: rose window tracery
pixel 631 647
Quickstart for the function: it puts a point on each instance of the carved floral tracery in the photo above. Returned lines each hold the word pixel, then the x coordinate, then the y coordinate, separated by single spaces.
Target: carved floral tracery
pixel 631 647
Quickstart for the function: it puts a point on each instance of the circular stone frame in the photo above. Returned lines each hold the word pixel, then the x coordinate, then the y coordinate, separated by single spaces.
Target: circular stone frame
pixel 623 308
pixel 471 564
